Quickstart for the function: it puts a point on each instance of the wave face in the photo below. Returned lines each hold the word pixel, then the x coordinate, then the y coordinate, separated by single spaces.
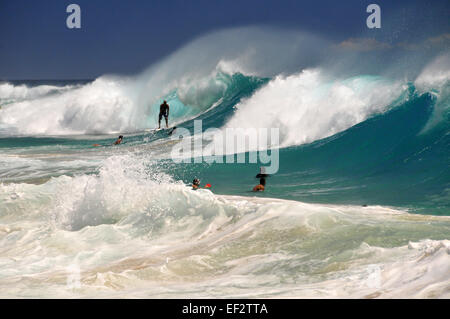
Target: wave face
pixel 392 158
pixel 110 105
pixel 308 106
pixel 360 206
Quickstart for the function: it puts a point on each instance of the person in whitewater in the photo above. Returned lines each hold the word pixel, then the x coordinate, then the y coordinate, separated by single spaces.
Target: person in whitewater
pixel 119 140
pixel 260 187
pixel 164 111
pixel 262 180
pixel 196 184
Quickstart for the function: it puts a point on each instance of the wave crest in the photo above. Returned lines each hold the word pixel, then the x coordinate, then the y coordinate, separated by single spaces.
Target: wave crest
pixel 308 106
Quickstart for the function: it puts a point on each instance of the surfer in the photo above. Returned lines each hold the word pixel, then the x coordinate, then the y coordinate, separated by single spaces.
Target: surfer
pixel 119 140
pixel 164 111
pixel 261 185
pixel 262 180
pixel 196 184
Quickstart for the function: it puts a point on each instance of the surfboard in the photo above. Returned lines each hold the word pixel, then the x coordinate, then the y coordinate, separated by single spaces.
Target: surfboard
pixel 154 130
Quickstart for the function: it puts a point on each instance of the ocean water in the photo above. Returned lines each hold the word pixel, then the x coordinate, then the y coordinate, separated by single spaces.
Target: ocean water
pixel 360 206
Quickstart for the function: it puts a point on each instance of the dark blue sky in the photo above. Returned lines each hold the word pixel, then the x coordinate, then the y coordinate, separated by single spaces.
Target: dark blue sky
pixel 125 36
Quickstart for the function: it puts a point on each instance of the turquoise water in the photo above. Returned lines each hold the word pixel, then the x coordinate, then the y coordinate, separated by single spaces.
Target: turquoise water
pixel 384 160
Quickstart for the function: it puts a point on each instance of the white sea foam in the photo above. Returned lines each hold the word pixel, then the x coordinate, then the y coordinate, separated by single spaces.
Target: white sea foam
pixel 101 106
pixel 310 105
pixel 435 78
pixel 131 230
pixel 113 104
pixel 109 105
pixel 13 92
pixel 435 75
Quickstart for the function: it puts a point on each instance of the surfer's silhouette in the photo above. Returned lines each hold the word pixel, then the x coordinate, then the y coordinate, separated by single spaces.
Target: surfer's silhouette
pixel 164 111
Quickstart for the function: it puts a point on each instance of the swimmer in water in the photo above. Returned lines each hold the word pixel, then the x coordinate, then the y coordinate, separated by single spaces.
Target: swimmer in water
pixel 262 180
pixel 196 184
pixel 119 140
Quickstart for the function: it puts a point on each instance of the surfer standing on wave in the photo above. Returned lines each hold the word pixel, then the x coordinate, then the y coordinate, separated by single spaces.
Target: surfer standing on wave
pixel 164 111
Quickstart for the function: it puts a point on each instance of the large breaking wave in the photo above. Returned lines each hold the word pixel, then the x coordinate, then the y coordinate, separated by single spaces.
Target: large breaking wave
pixel 123 221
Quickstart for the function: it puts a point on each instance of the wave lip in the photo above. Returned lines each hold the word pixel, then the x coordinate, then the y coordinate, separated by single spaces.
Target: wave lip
pixel 436 74
pixel 97 107
pixel 12 93
pixel 308 106
pixel 113 104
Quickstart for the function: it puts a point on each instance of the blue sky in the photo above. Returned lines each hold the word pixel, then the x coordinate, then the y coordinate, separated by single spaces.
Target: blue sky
pixel 125 36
